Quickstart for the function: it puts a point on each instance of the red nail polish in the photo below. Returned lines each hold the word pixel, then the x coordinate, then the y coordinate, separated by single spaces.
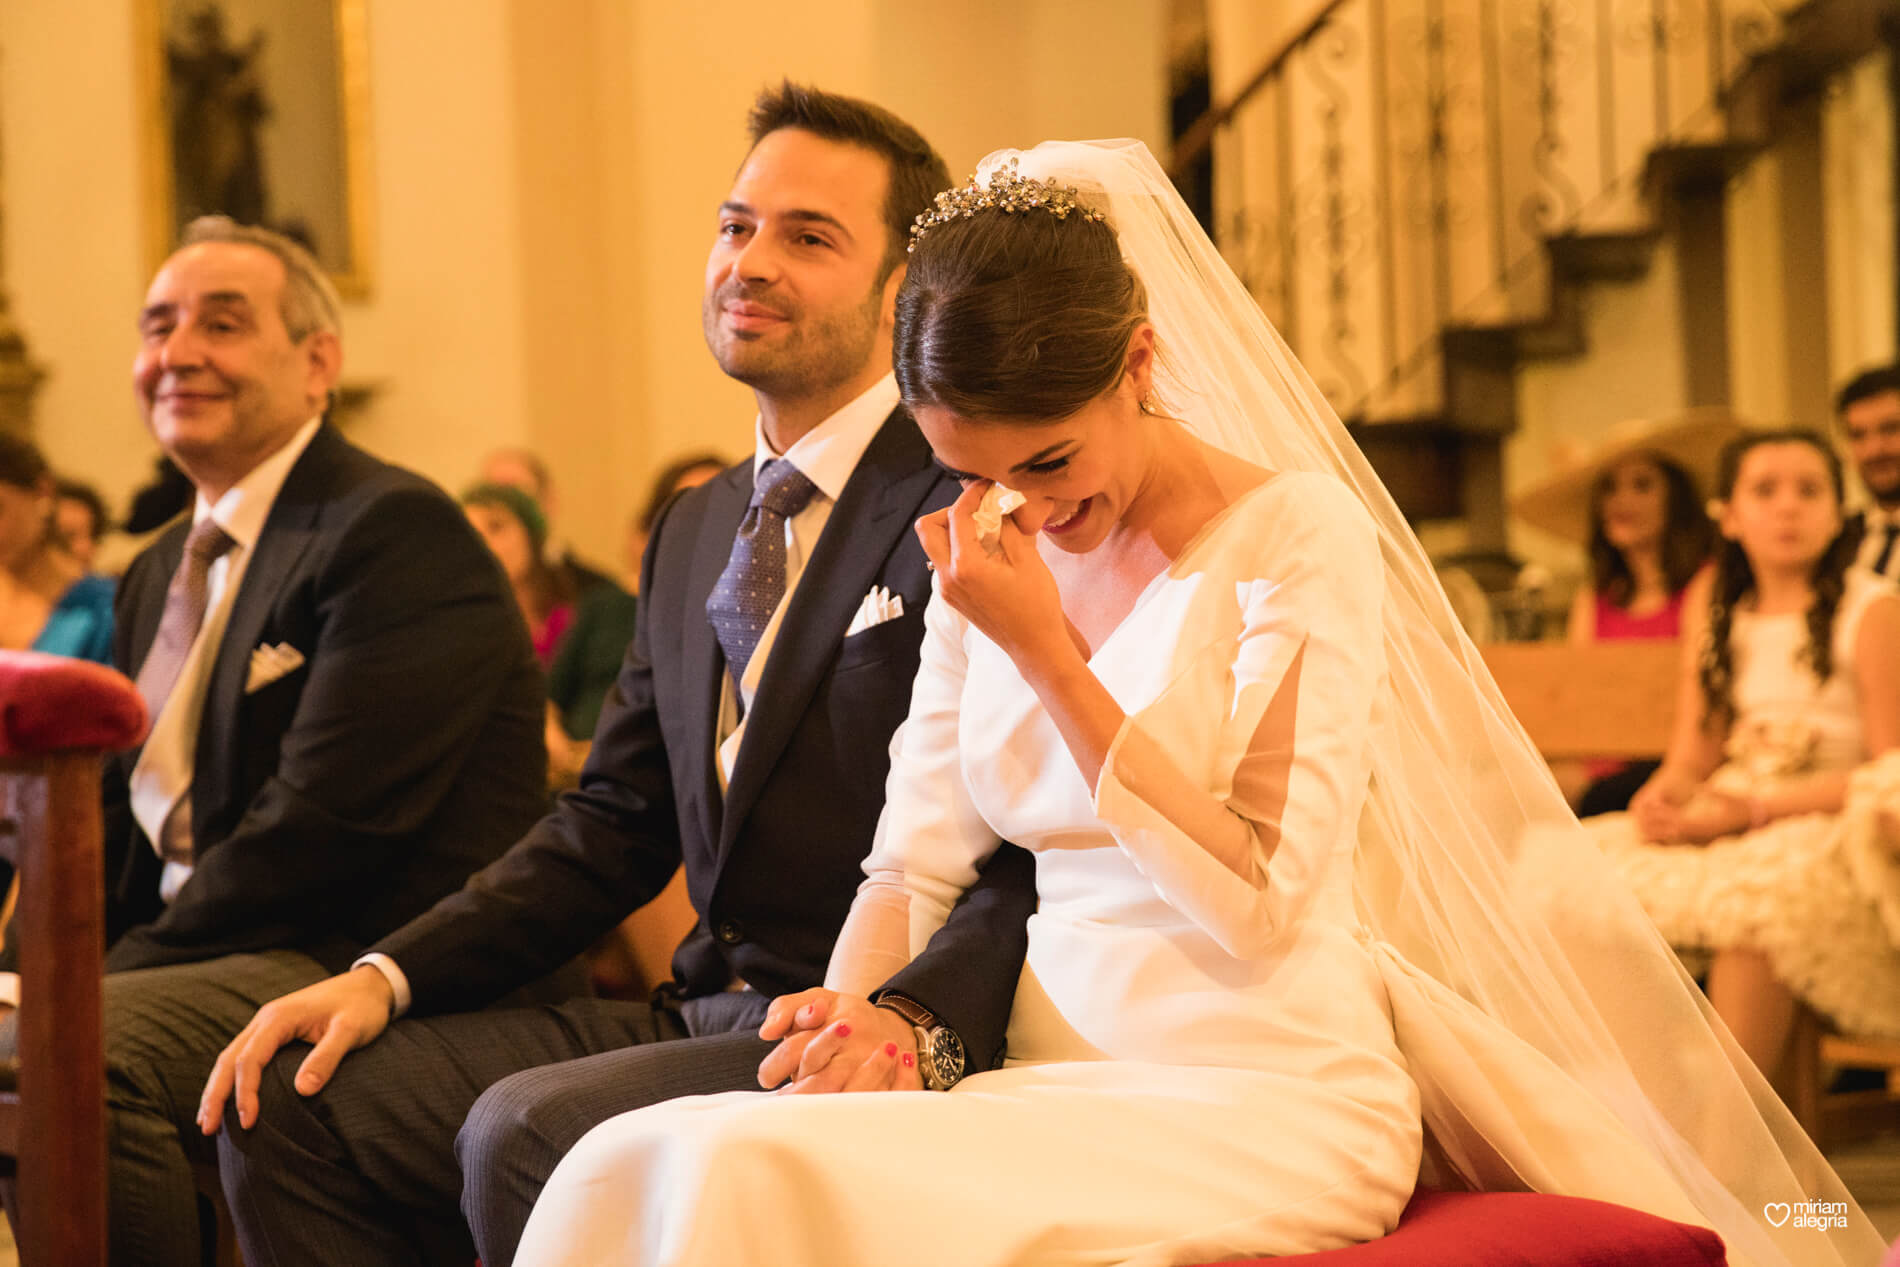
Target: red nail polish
pixel 844 1031
pixel 909 1060
pixel 890 1049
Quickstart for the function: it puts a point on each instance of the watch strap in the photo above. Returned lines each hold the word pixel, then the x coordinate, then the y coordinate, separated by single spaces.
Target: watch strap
pixel 910 1009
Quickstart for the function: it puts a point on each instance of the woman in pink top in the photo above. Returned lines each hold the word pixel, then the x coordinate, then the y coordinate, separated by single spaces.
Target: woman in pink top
pixel 516 531
pixel 1649 537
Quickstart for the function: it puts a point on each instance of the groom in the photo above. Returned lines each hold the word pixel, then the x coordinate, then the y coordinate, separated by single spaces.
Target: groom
pixel 748 736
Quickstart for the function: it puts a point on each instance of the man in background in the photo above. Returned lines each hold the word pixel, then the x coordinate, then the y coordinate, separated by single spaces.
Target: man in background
pixel 1868 408
pixel 79 516
pixel 524 469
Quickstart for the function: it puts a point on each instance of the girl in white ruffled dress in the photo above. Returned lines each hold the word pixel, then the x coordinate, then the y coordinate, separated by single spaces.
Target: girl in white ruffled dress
pixel 1757 847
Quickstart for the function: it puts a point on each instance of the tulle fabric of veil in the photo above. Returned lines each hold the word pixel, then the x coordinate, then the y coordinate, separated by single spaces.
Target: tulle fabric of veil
pixel 1473 876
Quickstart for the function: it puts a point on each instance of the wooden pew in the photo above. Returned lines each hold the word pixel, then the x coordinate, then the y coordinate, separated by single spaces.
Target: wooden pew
pixel 57 717
pixel 1604 699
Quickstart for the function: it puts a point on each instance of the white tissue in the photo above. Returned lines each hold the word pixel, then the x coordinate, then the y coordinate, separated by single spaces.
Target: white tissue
pixel 988 515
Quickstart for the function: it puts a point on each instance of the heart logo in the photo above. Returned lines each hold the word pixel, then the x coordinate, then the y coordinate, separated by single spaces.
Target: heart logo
pixel 1777 1212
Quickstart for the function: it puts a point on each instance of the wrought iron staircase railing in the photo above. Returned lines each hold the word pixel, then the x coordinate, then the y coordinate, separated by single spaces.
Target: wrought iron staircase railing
pixel 1415 189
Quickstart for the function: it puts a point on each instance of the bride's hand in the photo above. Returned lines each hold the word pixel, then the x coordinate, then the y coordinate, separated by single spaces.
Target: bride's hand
pixel 1005 590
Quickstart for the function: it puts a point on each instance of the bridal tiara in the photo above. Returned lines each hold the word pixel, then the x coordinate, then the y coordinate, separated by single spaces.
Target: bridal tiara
pixel 1008 190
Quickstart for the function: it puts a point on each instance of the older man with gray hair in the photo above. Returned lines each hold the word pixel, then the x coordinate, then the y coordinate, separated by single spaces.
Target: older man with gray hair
pixel 346 709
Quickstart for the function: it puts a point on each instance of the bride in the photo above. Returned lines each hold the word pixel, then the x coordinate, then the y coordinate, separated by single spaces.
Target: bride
pixel 1284 963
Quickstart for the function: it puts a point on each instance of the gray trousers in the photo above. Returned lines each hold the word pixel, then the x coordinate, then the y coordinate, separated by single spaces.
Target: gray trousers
pixel 164 1027
pixel 464 1116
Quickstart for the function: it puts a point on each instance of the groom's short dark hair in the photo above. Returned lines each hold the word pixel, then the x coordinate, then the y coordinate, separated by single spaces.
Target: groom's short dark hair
pixel 917 172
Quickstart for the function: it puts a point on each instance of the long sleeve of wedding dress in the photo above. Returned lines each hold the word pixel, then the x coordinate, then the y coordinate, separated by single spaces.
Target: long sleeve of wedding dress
pixel 1284 781
pixel 1289 774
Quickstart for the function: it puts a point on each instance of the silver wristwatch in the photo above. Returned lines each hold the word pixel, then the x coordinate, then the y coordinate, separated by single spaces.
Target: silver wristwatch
pixel 940 1058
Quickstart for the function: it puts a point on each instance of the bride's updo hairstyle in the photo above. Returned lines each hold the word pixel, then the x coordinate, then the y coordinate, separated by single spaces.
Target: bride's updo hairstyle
pixel 1015 315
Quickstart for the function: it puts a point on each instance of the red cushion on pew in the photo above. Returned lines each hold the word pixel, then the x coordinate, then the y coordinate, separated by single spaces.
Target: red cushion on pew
pixel 1520 1229
pixel 49 703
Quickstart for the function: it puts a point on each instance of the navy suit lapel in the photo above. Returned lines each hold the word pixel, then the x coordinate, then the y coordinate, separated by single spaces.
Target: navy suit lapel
pixel 878 506
pixel 702 662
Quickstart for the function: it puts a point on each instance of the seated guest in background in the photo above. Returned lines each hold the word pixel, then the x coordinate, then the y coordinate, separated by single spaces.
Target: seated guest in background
pixel 524 469
pixel 47 601
pixel 584 671
pixel 747 739
pixel 682 473
pixel 346 711
pixel 588 659
pixel 1637 504
pixel 160 499
pixel 1869 412
pixel 510 522
pixel 1738 846
pixel 80 515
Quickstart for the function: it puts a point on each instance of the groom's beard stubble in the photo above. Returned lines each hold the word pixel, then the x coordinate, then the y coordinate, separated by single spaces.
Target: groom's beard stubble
pixel 809 355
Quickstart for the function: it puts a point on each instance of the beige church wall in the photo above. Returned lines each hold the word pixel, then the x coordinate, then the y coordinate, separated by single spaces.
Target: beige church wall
pixel 543 195
pixel 439 334
pixel 972 76
pixel 74 224
pixel 1811 254
pixel 631 123
pixel 1857 127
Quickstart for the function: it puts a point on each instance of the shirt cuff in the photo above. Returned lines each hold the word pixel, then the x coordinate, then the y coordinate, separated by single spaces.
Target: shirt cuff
pixel 398 983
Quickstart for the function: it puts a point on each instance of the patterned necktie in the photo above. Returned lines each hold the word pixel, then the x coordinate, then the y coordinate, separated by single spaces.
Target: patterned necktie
pixel 1886 549
pixel 184 613
pixel 753 584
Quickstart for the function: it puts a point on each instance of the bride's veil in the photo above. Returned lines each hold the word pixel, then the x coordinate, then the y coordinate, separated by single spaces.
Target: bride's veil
pixel 1557 1041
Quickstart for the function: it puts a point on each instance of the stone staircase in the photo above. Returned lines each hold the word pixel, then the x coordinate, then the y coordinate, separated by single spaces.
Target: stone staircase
pixel 1424 194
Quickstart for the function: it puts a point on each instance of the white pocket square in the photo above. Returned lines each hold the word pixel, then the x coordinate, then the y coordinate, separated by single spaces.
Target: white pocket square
pixel 270 663
pixel 878 606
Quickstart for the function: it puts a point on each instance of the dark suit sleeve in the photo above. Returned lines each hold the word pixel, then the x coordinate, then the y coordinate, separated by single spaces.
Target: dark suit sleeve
pixel 968 970
pixel 608 848
pixel 144 582
pixel 416 639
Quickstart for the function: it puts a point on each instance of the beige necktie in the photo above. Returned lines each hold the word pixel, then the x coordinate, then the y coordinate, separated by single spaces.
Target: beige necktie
pixel 185 601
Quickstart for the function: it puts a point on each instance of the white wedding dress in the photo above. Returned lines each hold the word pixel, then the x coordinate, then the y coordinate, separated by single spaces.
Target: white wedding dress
pixel 1200 1065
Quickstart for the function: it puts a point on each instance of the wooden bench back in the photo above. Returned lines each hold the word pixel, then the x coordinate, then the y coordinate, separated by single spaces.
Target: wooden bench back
pixel 1604 699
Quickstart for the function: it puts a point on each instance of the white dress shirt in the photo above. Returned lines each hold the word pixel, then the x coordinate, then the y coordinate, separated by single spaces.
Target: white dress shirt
pixel 826 455
pixel 162 777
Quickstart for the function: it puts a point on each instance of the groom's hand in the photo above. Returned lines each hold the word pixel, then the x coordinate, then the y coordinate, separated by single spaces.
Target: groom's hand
pixel 837 1042
pixel 337 1016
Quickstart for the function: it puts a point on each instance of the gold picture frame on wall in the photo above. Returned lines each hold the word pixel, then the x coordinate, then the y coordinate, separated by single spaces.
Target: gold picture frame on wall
pixel 259 109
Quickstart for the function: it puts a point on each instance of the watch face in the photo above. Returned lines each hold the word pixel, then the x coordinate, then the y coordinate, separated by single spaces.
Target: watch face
pixel 946 1057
